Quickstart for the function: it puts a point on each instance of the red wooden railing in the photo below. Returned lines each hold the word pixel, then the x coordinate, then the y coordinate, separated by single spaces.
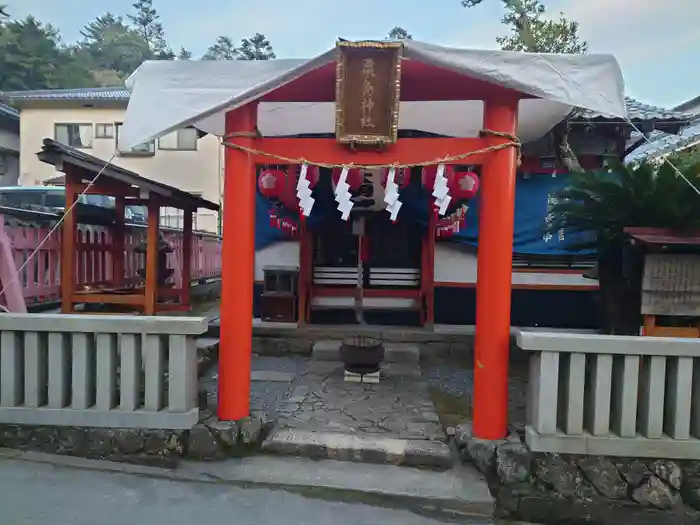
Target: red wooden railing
pixel 39 280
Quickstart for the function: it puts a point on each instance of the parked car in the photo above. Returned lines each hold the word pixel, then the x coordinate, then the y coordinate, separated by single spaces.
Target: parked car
pixel 90 208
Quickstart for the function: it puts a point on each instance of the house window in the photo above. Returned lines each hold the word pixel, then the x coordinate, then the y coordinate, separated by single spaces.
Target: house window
pixel 146 149
pixel 104 131
pixel 74 135
pixel 183 139
pixel 3 165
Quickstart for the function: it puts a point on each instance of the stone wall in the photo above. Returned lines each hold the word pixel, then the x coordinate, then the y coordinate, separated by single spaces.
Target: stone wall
pixel 556 489
pixel 210 439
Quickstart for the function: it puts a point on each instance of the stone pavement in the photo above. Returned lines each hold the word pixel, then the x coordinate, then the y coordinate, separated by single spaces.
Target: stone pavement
pixel 390 422
pixel 318 414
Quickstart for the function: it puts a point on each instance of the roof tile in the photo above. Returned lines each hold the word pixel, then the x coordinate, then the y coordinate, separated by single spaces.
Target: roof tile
pixel 101 93
pixel 7 111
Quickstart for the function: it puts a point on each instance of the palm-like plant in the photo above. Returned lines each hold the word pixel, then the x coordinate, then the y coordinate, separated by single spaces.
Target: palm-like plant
pixel 604 204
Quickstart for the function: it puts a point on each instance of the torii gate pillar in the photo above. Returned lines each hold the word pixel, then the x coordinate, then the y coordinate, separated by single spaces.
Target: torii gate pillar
pixel 495 266
pixel 237 268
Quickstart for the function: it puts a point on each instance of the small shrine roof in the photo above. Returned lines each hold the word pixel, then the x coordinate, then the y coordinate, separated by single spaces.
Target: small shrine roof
pixel 663 236
pixel 437 86
pixel 59 154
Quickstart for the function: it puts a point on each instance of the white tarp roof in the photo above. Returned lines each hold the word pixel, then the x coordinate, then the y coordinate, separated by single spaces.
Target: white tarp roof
pixel 168 95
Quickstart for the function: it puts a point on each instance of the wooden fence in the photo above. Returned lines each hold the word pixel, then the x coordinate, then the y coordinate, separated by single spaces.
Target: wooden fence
pixel 39 281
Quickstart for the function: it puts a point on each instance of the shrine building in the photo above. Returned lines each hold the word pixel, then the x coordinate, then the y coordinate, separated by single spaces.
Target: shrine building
pixel 359 183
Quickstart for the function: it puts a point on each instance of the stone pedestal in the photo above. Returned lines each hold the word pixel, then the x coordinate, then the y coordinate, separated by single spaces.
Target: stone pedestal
pixel 372 378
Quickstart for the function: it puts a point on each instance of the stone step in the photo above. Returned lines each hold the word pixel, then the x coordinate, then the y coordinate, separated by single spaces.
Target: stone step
pixel 356 448
pixel 329 350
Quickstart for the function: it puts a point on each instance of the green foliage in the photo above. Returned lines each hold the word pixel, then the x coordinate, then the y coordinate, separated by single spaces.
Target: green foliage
pixel 645 195
pixel 532 32
pixel 109 44
pixel 257 47
pixel 184 54
pixel 222 49
pixel 34 57
pixel 399 33
pixel 111 48
pixel 146 21
pixel 649 195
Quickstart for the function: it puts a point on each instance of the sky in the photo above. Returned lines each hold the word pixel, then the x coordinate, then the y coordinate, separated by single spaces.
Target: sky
pixel 657 46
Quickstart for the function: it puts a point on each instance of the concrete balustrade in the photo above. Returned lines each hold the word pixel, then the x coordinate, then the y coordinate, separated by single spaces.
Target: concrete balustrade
pixel 99 370
pixel 613 395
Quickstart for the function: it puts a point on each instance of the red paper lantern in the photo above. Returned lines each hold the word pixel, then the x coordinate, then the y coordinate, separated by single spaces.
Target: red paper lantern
pixel 429 173
pixel 464 185
pixel 271 183
pixel 402 177
pixel 354 180
pixel 313 174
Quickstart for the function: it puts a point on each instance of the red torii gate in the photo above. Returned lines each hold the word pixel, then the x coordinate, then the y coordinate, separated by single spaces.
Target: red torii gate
pixel 495 150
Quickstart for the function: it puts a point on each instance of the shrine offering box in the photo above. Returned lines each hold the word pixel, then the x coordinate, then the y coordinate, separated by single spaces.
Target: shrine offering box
pixel 280 296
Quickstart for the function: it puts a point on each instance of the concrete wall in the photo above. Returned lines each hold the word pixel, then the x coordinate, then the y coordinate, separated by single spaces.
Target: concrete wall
pixel 193 171
pixel 453 266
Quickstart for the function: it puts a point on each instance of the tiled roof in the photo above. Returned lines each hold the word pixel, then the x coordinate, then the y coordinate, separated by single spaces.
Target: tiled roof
pixel 662 143
pixel 7 111
pixel 86 94
pixel 640 112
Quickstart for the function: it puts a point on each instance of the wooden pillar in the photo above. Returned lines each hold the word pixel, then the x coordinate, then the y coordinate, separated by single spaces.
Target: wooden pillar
pixel 428 267
pixel 238 268
pixel 118 235
pixel 305 270
pixel 151 293
pixel 186 257
pixel 69 243
pixel 495 267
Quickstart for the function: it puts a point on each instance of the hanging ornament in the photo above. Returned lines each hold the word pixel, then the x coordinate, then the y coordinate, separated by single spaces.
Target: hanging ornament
pixel 464 185
pixel 428 174
pixel 441 190
pixel 271 183
pixel 391 195
pixel 354 178
pixel 306 201
pixel 342 194
pixel 274 218
pixel 402 177
pixel 453 223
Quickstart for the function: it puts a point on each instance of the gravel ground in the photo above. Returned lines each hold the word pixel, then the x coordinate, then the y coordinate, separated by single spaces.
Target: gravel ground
pixel 455 380
pixel 264 396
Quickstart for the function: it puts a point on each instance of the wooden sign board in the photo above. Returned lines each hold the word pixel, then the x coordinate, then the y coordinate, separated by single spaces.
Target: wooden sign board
pixel 671 285
pixel 368 91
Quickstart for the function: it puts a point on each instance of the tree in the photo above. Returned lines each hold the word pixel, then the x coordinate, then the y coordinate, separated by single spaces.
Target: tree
pixel 184 54
pixel 531 32
pixel 147 24
pixel 399 33
pixel 34 57
pixel 110 45
pixel 604 204
pixel 257 47
pixel 222 49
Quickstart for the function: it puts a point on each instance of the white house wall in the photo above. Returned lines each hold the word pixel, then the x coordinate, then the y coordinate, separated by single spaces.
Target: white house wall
pixel 193 171
pixel 452 267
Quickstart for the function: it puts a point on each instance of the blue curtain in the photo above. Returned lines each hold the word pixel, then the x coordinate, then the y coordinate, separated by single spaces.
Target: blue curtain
pixel 532 235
